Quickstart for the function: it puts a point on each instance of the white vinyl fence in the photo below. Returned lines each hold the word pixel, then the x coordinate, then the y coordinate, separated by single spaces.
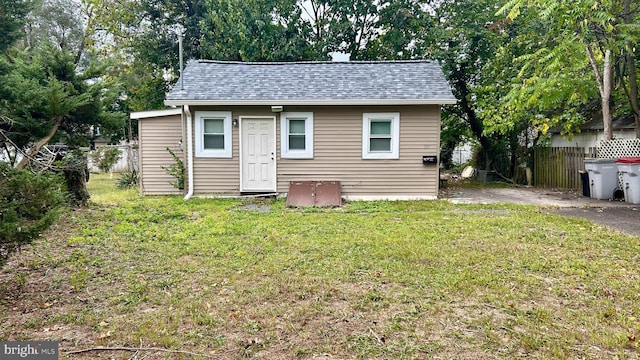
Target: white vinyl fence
pixel 123 162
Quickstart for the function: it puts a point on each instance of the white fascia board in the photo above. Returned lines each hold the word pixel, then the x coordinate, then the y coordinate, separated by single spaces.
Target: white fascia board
pixel 155 113
pixel 311 102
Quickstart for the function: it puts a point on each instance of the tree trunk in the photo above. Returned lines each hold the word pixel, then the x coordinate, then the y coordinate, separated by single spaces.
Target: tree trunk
pixel 633 75
pixel 476 125
pixel 75 166
pixel 633 90
pixel 7 152
pixel 446 154
pixel 33 151
pixel 605 85
pixel 607 81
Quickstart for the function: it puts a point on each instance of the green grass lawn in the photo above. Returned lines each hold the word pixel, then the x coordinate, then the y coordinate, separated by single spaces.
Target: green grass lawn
pixel 390 280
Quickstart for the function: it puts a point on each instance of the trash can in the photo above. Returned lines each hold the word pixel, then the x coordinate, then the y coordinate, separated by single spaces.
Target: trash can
pixel 584 176
pixel 603 177
pixel 629 167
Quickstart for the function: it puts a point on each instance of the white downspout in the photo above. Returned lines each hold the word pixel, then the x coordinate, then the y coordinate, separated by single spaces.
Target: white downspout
pixel 187 112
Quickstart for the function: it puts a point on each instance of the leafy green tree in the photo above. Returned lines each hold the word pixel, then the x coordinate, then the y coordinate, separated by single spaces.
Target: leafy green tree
pixel 154 46
pixel 53 89
pixel 12 18
pixel 405 31
pixel 631 54
pixel 465 42
pixel 507 105
pixel 58 22
pixel 39 93
pixel 254 30
pixel 139 40
pixel 47 99
pixel 523 95
pixel 583 37
pixel 106 157
pixel 344 26
pixel 353 26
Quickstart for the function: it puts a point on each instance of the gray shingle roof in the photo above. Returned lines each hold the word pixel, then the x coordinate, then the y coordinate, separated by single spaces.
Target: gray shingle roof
pixel 620 123
pixel 282 83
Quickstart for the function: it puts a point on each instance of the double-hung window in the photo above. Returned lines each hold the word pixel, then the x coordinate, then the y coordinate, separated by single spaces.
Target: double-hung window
pixel 213 134
pixel 380 135
pixel 296 135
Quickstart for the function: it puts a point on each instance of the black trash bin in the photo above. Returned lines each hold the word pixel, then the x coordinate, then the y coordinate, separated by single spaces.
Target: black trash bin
pixel 584 176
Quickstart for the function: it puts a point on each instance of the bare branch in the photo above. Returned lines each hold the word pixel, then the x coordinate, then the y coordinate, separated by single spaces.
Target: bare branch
pixel 123 348
pixel 38 145
pixel 304 8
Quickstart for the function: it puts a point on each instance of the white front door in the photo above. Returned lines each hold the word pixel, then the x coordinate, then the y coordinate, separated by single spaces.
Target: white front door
pixel 257 154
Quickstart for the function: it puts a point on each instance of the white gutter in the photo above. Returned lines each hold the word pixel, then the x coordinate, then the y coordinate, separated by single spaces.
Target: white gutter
pixel 312 102
pixel 187 112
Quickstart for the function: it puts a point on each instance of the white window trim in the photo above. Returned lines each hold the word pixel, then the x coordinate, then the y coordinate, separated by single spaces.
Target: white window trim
pixel 285 152
pixel 395 135
pixel 199 120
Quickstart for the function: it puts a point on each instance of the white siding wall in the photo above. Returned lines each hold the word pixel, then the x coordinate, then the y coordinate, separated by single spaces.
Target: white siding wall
pixel 588 139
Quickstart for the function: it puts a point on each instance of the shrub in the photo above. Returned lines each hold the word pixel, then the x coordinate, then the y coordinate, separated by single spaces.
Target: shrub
pixel 105 157
pixel 128 180
pixel 176 170
pixel 29 204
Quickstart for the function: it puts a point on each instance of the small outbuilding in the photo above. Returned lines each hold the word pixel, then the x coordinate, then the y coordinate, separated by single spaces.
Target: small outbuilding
pixel 592 132
pixel 256 128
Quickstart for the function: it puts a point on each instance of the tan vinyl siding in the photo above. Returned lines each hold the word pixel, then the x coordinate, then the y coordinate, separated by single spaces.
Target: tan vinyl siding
pixel 338 153
pixel 217 176
pixel 156 134
pixel 221 176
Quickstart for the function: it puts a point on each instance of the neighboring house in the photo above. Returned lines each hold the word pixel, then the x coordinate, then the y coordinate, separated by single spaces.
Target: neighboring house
pixel 592 132
pixel 99 141
pixel 255 127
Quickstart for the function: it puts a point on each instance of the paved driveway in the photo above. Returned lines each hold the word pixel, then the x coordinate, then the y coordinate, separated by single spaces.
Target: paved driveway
pixel 622 219
pixel 618 215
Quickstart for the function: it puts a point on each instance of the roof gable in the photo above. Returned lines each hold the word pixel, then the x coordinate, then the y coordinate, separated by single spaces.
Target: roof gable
pixel 311 83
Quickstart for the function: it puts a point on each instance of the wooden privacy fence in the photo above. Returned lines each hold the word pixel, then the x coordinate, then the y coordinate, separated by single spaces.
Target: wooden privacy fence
pixel 559 167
